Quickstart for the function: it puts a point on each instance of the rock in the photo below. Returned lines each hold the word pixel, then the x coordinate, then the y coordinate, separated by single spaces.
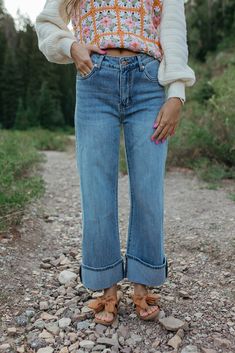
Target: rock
pixel 171 323
pixel 207 350
pixel 86 309
pixel 52 328
pixel 64 322
pixel 184 294
pixel 190 349
pixel 72 336
pixel 123 331
pixel 11 331
pixel 20 349
pixel 64 350
pixel 43 305
pixel 87 344
pixel 45 266
pixel 107 341
pixel 65 261
pixel 127 350
pixel 222 342
pixel 100 328
pixel 21 320
pixel 74 346
pixel 36 343
pixel 47 349
pixel 4 346
pixel 198 315
pixel 83 325
pixel 40 324
pixel 180 333
pixel 29 313
pixel 174 342
pixel 156 343
pixel 47 316
pixel 99 347
pixel 136 338
pixel 66 276
pixel 45 334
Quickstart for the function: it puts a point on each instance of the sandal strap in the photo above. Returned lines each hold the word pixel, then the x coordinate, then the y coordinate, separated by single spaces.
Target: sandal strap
pixel 142 301
pixel 109 303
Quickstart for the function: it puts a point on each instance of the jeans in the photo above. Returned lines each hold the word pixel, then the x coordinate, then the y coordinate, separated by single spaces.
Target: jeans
pixel 120 90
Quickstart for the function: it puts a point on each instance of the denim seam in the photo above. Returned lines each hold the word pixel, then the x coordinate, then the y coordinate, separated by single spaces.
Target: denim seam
pixel 116 197
pixel 145 263
pixel 102 268
pixel 131 194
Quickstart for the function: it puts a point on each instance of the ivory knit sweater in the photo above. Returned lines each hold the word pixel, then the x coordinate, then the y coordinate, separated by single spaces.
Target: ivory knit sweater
pixel 164 36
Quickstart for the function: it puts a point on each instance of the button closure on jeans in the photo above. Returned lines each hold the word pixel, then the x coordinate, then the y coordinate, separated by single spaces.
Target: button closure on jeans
pixel 124 62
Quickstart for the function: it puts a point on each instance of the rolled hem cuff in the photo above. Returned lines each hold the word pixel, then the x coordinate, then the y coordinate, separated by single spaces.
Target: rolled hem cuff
pixel 139 271
pixel 102 277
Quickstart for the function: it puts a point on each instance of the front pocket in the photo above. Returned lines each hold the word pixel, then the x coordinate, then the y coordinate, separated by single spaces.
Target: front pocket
pixel 151 70
pixel 84 77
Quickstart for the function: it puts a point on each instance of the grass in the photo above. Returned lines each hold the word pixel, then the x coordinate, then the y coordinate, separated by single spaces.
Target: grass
pixel 20 181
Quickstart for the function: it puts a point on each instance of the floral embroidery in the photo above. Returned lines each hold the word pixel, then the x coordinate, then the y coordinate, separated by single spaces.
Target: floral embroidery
pixel 130 24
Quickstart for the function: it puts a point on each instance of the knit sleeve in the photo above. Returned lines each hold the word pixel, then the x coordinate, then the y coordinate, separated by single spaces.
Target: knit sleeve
pixel 174 72
pixel 54 37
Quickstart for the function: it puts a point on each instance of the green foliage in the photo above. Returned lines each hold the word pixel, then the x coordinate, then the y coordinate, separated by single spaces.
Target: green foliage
pixel 20 182
pixel 205 139
pixel 209 23
pixel 28 81
pixel 48 109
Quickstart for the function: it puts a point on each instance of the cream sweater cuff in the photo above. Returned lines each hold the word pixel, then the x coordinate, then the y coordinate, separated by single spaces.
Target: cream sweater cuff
pixel 176 89
pixel 65 45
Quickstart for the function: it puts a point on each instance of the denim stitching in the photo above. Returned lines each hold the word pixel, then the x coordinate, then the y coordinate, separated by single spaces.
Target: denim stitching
pixel 166 267
pixel 116 194
pixel 146 264
pixel 102 268
pixel 131 194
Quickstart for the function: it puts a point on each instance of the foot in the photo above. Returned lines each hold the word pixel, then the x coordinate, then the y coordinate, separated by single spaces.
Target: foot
pixel 142 290
pixel 104 315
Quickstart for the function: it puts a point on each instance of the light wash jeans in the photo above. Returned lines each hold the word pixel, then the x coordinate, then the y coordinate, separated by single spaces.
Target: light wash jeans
pixel 120 90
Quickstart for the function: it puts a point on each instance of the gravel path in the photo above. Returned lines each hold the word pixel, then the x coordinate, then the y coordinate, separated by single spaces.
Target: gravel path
pixel 40 313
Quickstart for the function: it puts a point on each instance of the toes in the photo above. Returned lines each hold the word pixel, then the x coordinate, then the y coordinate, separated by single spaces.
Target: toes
pixel 103 316
pixel 150 310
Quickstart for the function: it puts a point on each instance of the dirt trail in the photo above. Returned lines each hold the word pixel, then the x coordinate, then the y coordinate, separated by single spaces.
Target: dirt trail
pixel 199 243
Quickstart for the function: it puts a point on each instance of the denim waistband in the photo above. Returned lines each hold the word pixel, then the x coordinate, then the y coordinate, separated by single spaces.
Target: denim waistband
pixel 119 62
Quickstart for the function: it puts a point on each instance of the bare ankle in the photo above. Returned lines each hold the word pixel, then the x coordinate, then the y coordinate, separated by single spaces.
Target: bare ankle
pixel 111 290
pixel 140 288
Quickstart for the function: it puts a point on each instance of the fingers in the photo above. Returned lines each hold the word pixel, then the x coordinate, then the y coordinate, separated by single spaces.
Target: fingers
pixel 85 66
pixel 163 133
pixel 167 121
pixel 83 61
pixel 96 49
pixel 163 128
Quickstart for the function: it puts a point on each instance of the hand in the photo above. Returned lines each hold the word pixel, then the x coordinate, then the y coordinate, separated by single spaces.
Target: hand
pixel 81 56
pixel 167 119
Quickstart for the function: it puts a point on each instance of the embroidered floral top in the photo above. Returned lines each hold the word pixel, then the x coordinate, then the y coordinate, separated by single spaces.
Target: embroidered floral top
pixel 130 24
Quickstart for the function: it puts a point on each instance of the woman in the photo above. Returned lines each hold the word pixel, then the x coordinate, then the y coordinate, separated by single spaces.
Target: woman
pixel 131 60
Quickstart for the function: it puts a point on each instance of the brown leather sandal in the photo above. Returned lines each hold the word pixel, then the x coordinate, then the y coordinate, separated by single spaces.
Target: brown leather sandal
pixel 108 303
pixel 142 301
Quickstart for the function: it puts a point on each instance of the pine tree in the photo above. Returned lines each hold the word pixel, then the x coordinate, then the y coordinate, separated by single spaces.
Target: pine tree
pixel 21 120
pixel 48 109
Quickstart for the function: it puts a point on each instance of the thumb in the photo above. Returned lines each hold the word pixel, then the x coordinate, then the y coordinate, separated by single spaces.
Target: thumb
pixel 96 49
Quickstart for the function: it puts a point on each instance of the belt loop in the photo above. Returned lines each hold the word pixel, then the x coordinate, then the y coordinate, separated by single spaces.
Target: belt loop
pixel 100 59
pixel 141 65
